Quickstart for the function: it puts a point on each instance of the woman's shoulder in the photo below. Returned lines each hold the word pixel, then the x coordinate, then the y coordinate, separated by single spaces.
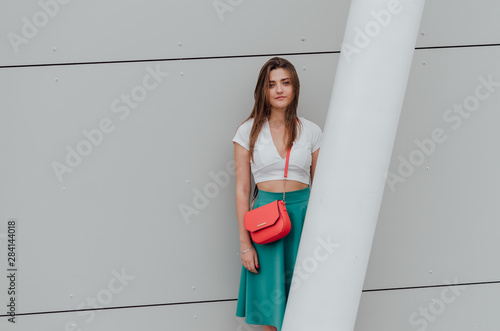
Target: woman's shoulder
pixel 245 127
pixel 247 124
pixel 309 125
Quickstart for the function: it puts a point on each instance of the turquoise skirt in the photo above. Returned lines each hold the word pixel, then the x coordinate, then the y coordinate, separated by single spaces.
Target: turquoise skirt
pixel 262 297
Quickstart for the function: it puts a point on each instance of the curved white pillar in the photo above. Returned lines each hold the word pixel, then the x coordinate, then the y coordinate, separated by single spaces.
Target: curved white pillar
pixel 359 134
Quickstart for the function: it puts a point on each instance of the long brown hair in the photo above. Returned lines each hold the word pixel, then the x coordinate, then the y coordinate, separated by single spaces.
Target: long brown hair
pixel 262 108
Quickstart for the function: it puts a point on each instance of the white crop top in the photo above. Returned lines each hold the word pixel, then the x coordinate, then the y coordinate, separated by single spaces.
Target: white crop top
pixel 268 164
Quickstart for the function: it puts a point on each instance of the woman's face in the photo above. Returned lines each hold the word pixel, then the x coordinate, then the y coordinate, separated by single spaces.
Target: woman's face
pixel 280 88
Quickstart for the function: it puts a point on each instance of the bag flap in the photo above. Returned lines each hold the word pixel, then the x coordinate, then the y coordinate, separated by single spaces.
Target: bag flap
pixel 262 217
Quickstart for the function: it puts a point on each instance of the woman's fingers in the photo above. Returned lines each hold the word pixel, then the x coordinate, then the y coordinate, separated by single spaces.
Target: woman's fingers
pixel 253 269
pixel 248 261
pixel 252 263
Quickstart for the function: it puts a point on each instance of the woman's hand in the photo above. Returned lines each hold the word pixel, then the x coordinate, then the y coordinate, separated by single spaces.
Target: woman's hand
pixel 249 259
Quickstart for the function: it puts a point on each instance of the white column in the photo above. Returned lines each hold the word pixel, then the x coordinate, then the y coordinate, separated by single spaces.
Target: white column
pixel 359 134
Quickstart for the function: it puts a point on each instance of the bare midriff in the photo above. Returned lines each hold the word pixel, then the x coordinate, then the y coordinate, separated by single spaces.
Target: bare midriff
pixel 277 185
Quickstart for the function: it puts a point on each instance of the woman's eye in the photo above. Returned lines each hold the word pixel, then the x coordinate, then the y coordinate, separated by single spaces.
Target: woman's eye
pixel 271 85
pixel 286 83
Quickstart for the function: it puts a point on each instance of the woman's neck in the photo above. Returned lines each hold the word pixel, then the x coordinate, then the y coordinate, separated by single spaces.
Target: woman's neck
pixel 277 116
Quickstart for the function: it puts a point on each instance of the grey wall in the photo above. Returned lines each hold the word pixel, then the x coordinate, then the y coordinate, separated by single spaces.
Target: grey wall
pixel 116 122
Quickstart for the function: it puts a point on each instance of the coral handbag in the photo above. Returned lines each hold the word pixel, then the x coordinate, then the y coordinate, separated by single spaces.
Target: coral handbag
pixel 270 222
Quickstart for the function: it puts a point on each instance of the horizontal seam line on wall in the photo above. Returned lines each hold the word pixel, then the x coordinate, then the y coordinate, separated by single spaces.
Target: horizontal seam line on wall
pixel 219 57
pixel 168 59
pixel 430 286
pixel 122 307
pixel 457 46
pixel 226 300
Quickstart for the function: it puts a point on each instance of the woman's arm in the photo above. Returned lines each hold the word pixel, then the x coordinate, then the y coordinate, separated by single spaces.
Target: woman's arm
pixel 243 189
pixel 313 163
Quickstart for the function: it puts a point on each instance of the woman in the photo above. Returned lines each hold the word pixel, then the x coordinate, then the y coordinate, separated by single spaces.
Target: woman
pixel 260 146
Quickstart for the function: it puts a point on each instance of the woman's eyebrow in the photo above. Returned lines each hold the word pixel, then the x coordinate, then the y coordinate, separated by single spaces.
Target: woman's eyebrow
pixel 272 81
